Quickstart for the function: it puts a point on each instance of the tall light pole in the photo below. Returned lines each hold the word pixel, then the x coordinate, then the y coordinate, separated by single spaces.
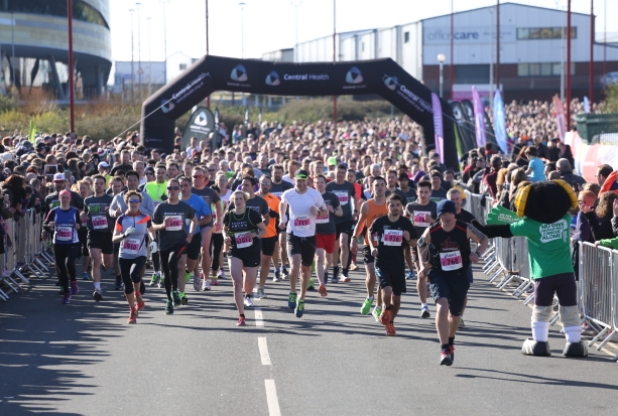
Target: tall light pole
pixel 441 59
pixel 71 69
pixel 451 68
pixel 568 69
pixel 139 51
pixel 132 61
pixel 164 2
pixel 335 55
pixel 491 56
pixel 591 63
pixel 497 49
pixel 296 4
pixel 149 19
pixel 207 48
pixel 13 46
pixel 242 29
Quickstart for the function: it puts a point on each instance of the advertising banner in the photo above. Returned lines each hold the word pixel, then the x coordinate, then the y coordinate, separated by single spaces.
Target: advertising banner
pixel 500 123
pixel 479 118
pixel 200 125
pixel 559 114
pixel 437 125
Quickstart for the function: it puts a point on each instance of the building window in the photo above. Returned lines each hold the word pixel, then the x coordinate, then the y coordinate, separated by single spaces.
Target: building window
pixel 81 10
pixel 406 37
pixel 182 67
pixel 542 70
pixel 535 33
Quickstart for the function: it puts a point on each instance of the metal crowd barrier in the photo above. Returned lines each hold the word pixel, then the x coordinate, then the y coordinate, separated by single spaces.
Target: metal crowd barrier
pixel 24 253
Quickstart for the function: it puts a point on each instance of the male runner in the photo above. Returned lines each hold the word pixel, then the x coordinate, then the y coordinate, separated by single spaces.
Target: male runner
pixel 270 243
pixel 156 190
pixel 279 186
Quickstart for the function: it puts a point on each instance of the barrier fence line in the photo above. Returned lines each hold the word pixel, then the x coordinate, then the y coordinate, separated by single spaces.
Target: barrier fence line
pixel 24 253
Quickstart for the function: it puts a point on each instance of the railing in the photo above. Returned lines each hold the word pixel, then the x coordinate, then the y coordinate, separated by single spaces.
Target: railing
pixel 24 253
pixel 598 276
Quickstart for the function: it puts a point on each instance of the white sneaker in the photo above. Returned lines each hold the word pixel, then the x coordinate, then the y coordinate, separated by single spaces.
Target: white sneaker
pixel 197 282
pixel 425 312
pixel 248 302
pixel 260 293
pixel 221 274
pixel 206 284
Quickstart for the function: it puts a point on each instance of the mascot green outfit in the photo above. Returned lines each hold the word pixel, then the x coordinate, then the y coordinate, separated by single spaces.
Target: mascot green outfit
pixel 542 209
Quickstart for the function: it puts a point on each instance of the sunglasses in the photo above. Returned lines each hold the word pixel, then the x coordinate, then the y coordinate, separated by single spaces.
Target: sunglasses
pixel 149 174
pixel 134 201
pixel 212 170
pixel 173 188
pixel 198 176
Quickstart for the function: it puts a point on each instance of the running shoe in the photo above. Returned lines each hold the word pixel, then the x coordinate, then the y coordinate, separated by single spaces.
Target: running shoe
pixel 390 329
pixel 197 283
pixel 97 295
pixel 187 276
pixel 241 321
pixel 85 276
pixel 277 276
pixel 292 300
pixel 451 349
pixel 377 311
pixel 322 290
pixel 385 317
pixel 410 275
pixel 206 284
pixel 326 276
pixel 155 279
pixel 66 298
pixel 462 324
pixel 74 288
pixel 140 302
pixel 183 298
pixel 132 316
pixel 118 283
pixel 169 307
pixel 300 308
pixel 425 311
pixel 445 357
pixel 260 293
pixel 335 279
pixel 248 302
pixel 285 273
pixel 353 267
pixel 344 278
pixel 176 297
pixel 214 281
pixel 364 310
pixel 161 283
pixel 310 286
pixel 221 274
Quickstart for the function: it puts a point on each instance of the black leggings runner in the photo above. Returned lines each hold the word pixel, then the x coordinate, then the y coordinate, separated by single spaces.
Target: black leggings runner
pixel 66 254
pixel 216 244
pixel 130 270
pixel 169 267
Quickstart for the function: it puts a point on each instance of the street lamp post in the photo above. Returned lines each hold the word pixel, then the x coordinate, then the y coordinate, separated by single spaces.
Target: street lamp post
pixel 164 2
pixel 149 19
pixel 242 44
pixel 139 51
pixel 296 4
pixel 71 66
pixel 132 60
pixel 441 59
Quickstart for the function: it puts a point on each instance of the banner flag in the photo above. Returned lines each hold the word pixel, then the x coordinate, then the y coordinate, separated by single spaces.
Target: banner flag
pixel 437 125
pixel 479 120
pixel 559 114
pixel 500 123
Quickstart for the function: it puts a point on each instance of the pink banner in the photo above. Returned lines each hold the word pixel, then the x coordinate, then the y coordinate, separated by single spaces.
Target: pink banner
pixel 437 125
pixel 559 114
pixel 479 118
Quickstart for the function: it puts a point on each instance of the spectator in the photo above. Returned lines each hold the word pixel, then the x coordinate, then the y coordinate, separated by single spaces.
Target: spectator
pixel 566 174
pixel 536 168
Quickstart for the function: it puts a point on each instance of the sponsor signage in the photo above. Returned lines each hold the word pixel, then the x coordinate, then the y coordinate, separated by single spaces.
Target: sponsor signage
pixel 467 35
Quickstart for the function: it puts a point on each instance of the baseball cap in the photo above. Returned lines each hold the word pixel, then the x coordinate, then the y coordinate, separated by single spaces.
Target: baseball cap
pixel 59 177
pixel 104 165
pixel 331 161
pixel 445 206
pixel 301 174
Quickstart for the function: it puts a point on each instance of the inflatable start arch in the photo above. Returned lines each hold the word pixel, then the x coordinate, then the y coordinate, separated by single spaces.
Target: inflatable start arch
pixel 213 73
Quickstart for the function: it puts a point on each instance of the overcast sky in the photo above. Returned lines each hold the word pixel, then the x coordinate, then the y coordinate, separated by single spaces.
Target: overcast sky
pixel 270 24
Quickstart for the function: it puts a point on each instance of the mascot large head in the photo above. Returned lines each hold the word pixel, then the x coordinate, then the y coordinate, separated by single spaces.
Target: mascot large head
pixel 546 201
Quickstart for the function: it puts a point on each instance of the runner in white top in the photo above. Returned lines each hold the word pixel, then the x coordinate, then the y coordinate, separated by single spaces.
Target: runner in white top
pixel 305 205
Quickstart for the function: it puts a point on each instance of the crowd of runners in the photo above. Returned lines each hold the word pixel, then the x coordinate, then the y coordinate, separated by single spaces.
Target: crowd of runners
pixel 292 203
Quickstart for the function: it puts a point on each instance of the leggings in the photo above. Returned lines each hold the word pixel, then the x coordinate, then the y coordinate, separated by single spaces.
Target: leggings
pixel 216 244
pixel 169 265
pixel 155 258
pixel 66 254
pixel 130 270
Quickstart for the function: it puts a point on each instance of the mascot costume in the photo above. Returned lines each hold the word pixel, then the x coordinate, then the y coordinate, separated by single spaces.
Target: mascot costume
pixel 542 217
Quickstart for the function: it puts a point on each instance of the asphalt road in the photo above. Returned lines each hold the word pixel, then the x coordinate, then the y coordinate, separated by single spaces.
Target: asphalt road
pixel 84 359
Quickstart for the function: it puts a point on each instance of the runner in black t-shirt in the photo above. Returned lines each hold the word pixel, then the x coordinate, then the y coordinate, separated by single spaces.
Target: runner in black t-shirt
pixel 390 236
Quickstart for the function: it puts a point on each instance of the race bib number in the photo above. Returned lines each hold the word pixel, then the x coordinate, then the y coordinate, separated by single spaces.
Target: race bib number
pixel 243 240
pixel 419 218
pixel 64 233
pixel 130 245
pixel 99 222
pixel 343 196
pixel 392 237
pixel 451 261
pixel 302 223
pixel 175 224
pixel 322 219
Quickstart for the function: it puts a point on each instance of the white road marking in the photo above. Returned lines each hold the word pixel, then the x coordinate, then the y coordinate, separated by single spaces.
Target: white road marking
pixel 259 318
pixel 264 351
pixel 271 398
